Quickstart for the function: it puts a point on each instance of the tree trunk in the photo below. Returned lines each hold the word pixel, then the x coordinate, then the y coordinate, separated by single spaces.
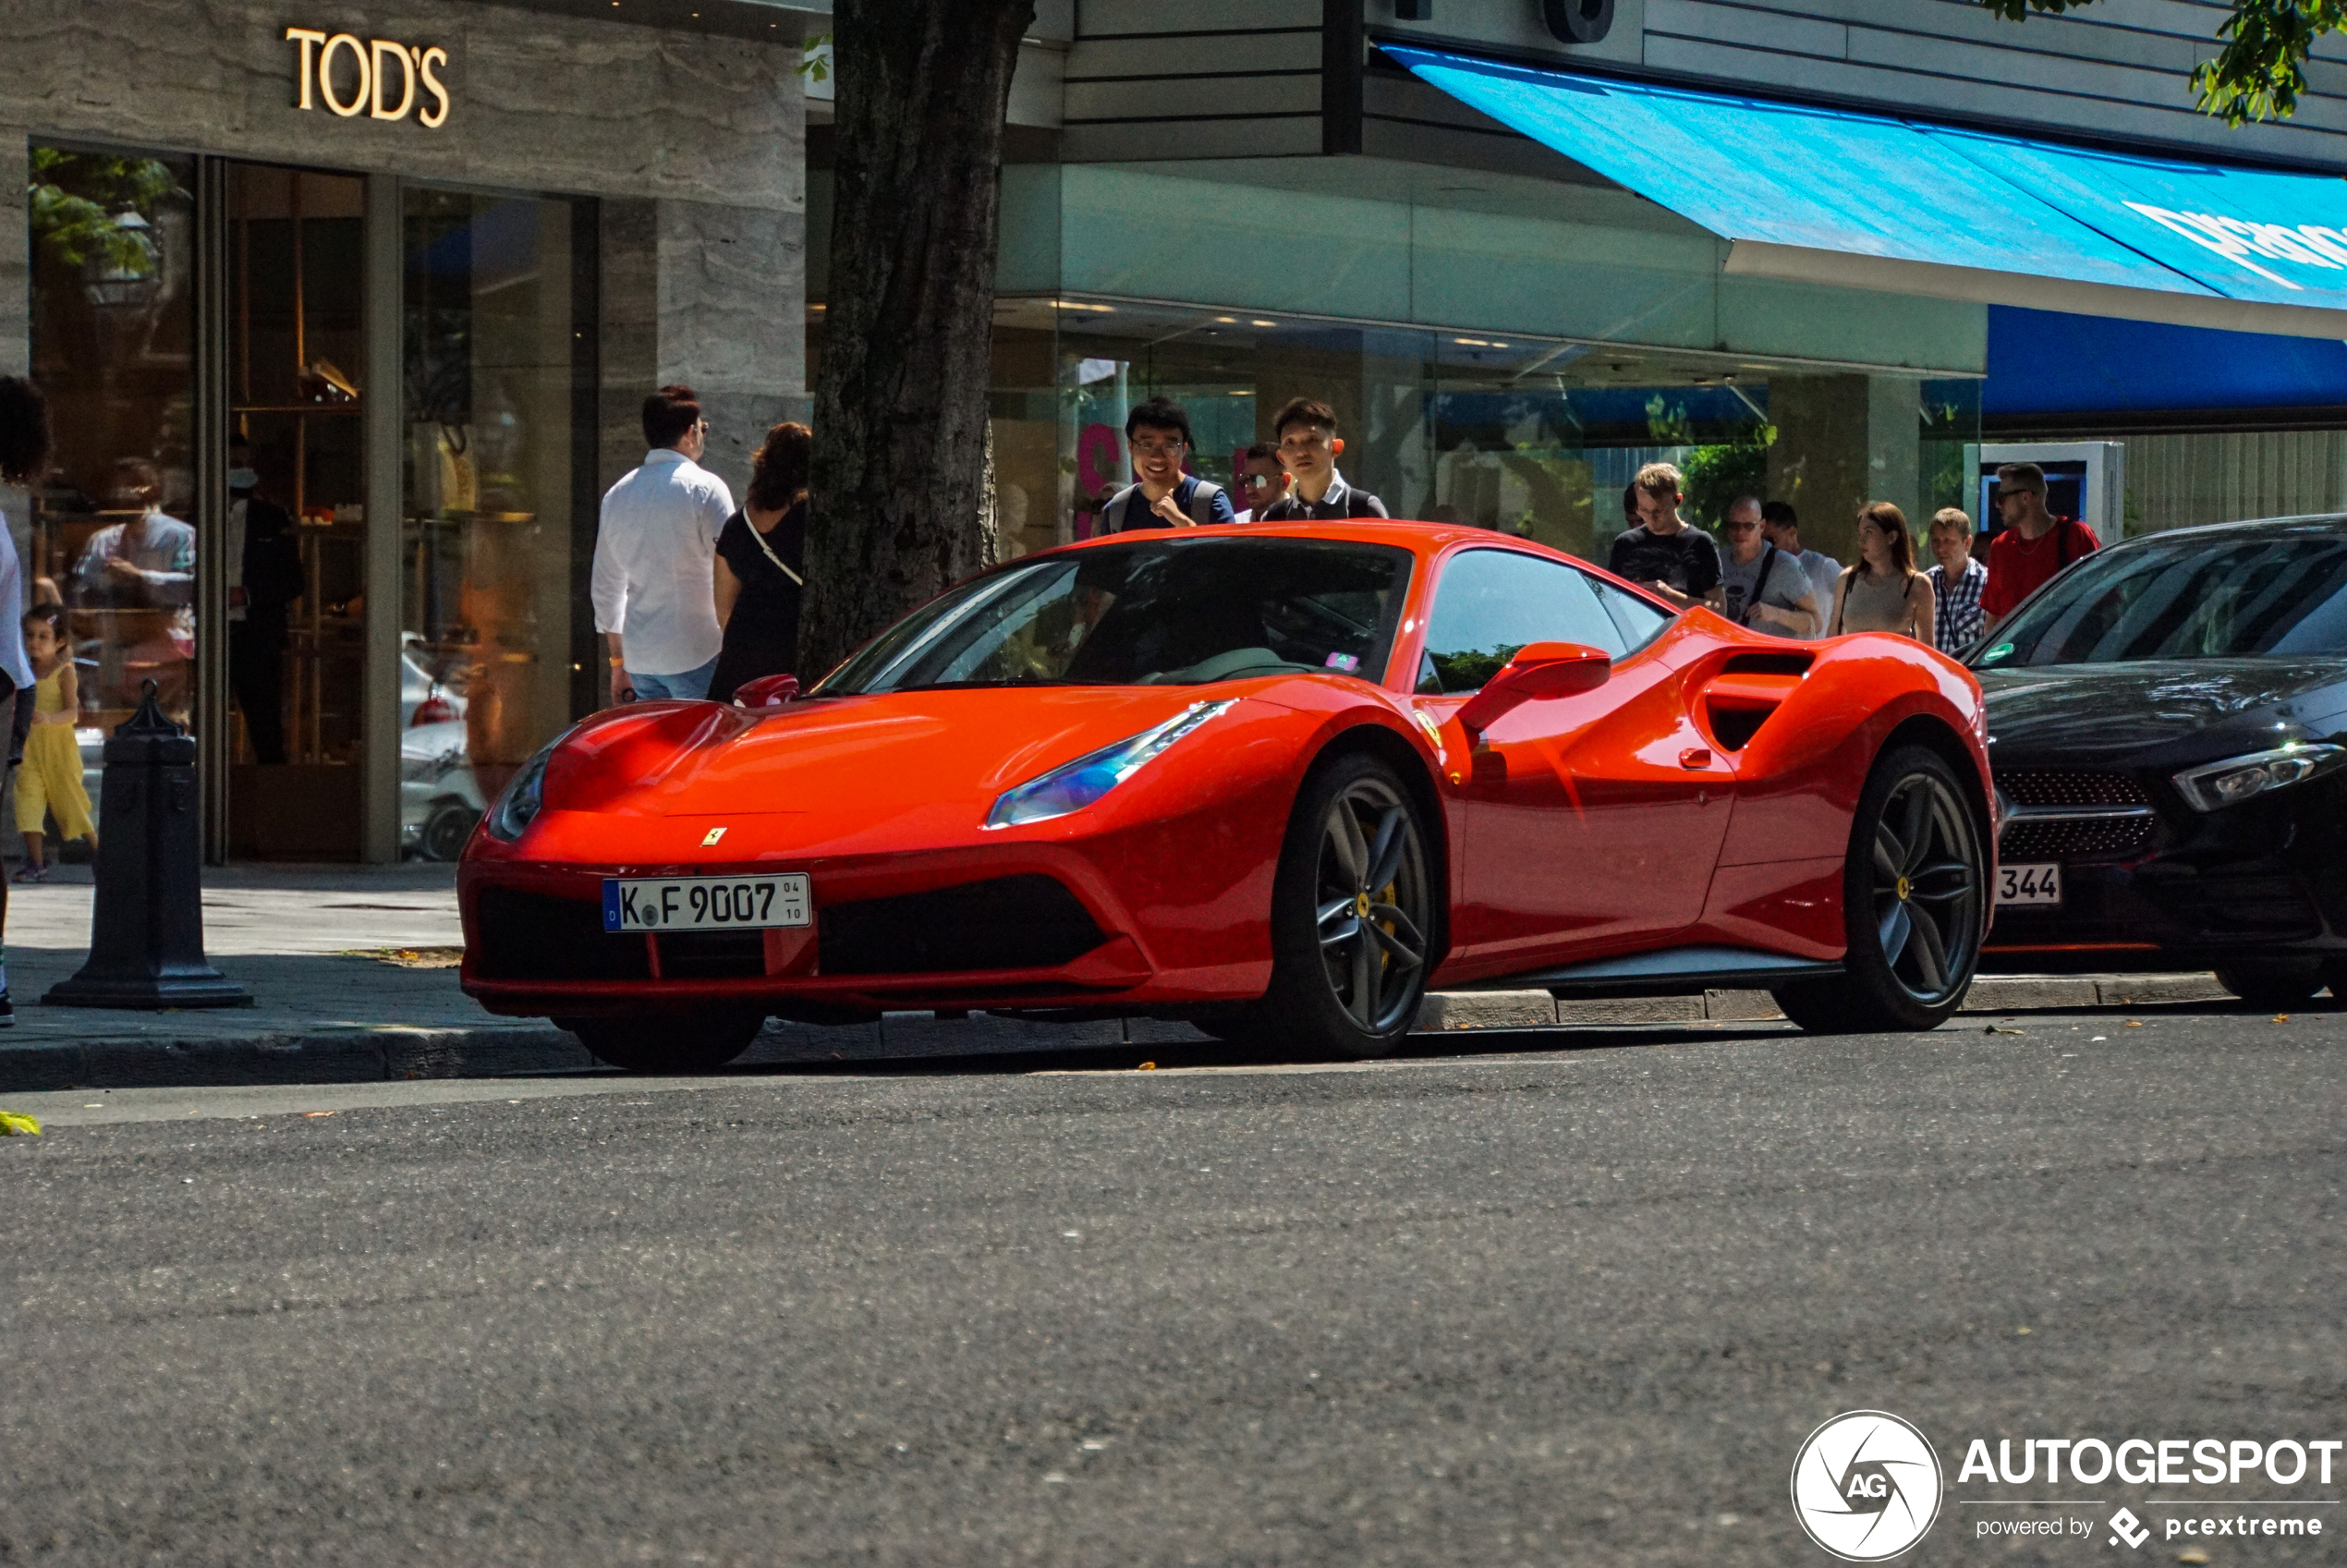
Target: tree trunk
pixel 898 503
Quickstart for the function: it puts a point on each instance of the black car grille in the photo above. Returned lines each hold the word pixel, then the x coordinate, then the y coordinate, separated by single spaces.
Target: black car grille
pixel 1026 922
pixel 2058 838
pixel 2062 786
pixel 711 955
pixel 530 936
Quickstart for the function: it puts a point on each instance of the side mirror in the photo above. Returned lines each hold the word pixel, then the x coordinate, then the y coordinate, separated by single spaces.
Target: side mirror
pixel 766 691
pixel 1539 669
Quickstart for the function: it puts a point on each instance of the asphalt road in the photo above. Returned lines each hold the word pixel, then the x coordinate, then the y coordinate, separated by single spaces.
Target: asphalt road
pixel 1577 1299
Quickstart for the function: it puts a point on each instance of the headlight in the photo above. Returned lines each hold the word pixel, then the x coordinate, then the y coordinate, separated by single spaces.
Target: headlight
pixel 519 805
pixel 1073 786
pixel 2229 782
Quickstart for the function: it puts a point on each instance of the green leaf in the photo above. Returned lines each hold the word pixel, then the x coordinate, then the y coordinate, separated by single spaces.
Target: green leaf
pixel 15 1125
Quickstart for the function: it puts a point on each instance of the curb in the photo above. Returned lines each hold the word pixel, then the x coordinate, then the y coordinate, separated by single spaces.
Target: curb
pixel 1446 1011
pixel 395 1053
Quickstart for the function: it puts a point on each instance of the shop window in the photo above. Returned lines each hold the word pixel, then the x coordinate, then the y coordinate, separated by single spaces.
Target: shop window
pixel 297 524
pixel 500 499
pixel 110 533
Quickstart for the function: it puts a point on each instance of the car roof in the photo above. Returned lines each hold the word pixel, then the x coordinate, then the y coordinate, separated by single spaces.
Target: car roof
pixel 2329 524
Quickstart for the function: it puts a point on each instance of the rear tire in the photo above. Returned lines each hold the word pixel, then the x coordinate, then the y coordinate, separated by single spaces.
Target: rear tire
pixel 683 1042
pixel 1913 893
pixel 1353 918
pixel 2273 988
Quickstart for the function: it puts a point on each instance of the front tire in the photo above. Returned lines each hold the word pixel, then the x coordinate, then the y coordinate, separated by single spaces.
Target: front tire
pixel 1913 898
pixel 1353 917
pixel 685 1043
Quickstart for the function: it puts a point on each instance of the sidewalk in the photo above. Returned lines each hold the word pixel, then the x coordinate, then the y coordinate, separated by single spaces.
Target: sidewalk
pixel 353 978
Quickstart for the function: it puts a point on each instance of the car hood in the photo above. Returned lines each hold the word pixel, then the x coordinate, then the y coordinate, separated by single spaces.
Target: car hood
pixel 2161 713
pixel 866 759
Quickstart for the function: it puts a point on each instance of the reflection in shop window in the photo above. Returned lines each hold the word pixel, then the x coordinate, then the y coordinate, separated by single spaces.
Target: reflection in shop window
pixel 109 533
pixel 494 521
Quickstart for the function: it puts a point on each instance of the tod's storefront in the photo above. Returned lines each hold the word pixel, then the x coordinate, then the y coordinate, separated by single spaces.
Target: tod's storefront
pixel 344 319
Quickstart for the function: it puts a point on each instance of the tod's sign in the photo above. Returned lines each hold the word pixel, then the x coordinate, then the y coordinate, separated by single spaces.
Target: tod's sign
pixel 374 76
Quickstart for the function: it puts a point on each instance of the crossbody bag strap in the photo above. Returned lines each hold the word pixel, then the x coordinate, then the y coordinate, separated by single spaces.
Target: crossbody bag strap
pixel 770 552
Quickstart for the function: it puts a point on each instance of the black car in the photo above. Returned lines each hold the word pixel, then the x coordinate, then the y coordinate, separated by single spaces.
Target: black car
pixel 2168 727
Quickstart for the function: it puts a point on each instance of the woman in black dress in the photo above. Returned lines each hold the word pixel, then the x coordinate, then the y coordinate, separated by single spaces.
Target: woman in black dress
pixel 762 554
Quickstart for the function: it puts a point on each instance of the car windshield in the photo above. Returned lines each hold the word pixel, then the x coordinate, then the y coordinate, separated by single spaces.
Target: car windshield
pixel 2197 596
pixel 1161 612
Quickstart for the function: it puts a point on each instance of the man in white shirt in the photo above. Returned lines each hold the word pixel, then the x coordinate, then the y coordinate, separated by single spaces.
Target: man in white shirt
pixel 655 553
pixel 1782 526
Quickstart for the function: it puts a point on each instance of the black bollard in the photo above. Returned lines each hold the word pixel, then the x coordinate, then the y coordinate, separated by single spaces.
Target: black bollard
pixel 146 938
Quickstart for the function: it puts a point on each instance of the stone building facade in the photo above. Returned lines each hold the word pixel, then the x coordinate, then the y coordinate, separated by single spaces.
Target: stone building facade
pixel 489 230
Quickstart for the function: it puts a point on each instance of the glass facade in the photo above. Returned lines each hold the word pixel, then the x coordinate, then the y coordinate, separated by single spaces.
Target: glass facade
pixel 110 533
pixel 296 554
pixel 1533 436
pixel 495 309
pixel 501 502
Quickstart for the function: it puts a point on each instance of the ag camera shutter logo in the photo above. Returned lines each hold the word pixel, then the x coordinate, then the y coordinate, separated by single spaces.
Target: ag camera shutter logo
pixel 1865 1486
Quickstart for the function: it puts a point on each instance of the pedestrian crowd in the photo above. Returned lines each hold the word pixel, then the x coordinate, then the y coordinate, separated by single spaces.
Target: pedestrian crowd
pixel 1767 581
pixel 696 596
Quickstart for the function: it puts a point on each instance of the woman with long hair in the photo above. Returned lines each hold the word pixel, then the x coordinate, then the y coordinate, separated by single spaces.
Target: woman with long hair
pixel 1883 592
pixel 24 457
pixel 761 559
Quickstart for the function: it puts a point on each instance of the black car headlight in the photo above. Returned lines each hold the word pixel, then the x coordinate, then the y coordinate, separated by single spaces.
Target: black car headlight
pixel 517 806
pixel 2214 785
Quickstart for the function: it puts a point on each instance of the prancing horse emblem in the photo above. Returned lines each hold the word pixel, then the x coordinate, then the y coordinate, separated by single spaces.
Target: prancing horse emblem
pixel 714 834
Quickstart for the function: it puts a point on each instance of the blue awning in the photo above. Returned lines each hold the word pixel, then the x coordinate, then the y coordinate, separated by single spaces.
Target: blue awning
pixel 1869 201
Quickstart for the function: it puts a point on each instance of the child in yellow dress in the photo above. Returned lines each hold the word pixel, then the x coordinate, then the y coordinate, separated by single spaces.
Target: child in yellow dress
pixel 50 779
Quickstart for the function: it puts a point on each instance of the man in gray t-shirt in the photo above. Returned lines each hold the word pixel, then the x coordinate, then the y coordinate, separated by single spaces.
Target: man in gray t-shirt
pixel 1767 589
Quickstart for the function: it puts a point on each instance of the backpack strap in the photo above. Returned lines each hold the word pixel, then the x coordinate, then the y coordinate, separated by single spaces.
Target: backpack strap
pixel 1201 507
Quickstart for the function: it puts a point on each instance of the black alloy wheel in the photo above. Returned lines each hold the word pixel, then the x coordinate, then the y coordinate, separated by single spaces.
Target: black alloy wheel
pixel 1915 900
pixel 680 1042
pixel 1352 917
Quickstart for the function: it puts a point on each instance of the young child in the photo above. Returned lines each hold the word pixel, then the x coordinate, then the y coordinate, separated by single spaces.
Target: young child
pixel 50 779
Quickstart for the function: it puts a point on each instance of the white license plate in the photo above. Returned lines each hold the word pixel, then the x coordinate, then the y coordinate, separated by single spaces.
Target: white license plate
pixel 706 903
pixel 2029 884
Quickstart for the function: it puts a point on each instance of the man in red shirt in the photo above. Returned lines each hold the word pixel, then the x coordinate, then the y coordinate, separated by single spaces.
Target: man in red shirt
pixel 2034 545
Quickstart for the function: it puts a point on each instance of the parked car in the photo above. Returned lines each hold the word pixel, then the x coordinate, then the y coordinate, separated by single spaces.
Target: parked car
pixel 1271 780
pixel 439 798
pixel 2167 729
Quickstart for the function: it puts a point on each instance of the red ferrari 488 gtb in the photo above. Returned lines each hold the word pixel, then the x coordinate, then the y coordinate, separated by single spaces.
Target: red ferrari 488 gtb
pixel 1278 780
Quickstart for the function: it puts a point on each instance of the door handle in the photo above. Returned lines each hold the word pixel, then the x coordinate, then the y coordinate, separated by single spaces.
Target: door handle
pixel 1696 757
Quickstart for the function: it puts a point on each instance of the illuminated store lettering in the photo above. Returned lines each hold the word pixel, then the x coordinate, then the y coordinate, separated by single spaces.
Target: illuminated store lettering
pixel 386 79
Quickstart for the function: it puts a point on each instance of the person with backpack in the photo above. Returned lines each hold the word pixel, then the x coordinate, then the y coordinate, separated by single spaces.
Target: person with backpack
pixel 2035 546
pixel 1161 495
pixel 1310 446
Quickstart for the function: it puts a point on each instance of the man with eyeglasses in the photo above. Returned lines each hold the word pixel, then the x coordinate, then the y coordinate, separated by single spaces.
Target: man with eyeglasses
pixel 2036 546
pixel 1263 483
pixel 1765 589
pixel 1162 496
pixel 654 585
